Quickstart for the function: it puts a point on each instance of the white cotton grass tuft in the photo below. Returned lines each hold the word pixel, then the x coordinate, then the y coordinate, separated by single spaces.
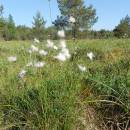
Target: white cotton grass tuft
pixel 82 68
pixel 12 58
pixel 61 33
pixel 22 73
pixel 90 55
pixel 39 64
pixel 29 64
pixel 55 47
pixel 63 55
pixel 60 57
pixel 33 49
pixel 50 44
pixel 36 40
pixel 62 43
pixel 71 19
pixel 43 52
pixel 66 53
pixel 30 51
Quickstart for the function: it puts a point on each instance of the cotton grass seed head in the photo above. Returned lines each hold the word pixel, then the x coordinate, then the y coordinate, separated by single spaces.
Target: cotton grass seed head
pixel 50 43
pixel 30 51
pixel 72 19
pixel 63 55
pixel 29 64
pixel 36 40
pixel 66 53
pixel 43 52
pixel 60 57
pixel 82 68
pixel 34 48
pixel 39 64
pixel 22 73
pixel 61 33
pixel 90 55
pixel 55 47
pixel 62 43
pixel 12 58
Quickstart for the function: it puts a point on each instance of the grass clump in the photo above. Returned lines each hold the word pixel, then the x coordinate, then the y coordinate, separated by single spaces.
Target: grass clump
pixel 58 96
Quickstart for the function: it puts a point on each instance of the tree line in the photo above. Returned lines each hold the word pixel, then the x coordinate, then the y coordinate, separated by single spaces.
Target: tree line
pixel 80 28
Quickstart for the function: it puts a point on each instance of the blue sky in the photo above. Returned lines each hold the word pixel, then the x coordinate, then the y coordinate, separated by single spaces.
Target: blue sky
pixel 109 11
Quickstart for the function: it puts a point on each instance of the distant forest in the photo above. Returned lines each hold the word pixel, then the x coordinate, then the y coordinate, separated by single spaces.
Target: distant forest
pixel 81 29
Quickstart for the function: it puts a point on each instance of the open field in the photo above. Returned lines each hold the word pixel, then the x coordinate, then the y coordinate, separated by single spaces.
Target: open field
pixel 59 96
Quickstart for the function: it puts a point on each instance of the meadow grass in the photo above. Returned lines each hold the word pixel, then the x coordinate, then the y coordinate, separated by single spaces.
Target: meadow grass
pixel 55 97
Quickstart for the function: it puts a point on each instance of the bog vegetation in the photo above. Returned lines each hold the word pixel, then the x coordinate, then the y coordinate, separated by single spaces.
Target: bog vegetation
pixel 66 76
pixel 62 95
